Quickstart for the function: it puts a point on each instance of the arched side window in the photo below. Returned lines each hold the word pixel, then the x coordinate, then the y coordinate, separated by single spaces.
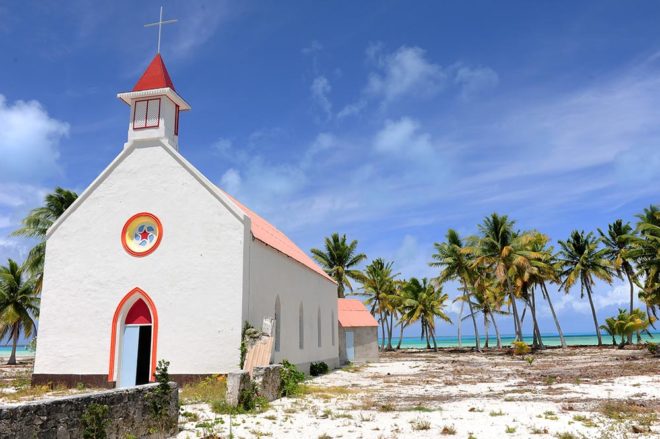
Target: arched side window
pixel 278 325
pixel 301 327
pixel 318 326
pixel 332 326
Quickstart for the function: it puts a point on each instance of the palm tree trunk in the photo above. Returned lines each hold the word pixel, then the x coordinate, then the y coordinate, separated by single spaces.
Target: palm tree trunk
pixel 497 331
pixel 389 332
pixel 398 346
pixel 460 317
pixel 632 298
pixel 554 316
pixel 486 330
pixel 435 345
pixel 593 313
pixel 516 318
pixel 536 323
pixel 474 323
pixel 382 329
pixel 14 342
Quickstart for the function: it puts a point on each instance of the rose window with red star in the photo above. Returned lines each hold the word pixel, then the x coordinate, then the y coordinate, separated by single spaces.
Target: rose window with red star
pixel 142 234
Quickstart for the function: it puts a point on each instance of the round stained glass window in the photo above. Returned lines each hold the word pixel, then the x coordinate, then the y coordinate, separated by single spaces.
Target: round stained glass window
pixel 141 234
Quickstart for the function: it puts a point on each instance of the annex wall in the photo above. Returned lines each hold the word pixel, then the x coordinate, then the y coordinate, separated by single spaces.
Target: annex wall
pixel 272 275
pixel 365 344
pixel 195 277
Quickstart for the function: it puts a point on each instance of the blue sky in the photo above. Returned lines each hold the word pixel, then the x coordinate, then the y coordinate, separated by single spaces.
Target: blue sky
pixel 388 122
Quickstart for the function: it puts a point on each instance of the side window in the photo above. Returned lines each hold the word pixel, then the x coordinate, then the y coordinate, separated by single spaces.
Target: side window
pixel 301 327
pixel 176 121
pixel 318 325
pixel 140 114
pixel 278 317
pixel 332 326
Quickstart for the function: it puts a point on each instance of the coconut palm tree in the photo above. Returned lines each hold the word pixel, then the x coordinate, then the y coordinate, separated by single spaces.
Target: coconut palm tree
pixel 37 223
pixel 581 260
pixel 646 253
pixel 610 328
pixel 339 260
pixel 618 241
pixel 501 249
pixel 19 305
pixel 488 298
pixel 424 302
pixel 456 264
pixel 378 283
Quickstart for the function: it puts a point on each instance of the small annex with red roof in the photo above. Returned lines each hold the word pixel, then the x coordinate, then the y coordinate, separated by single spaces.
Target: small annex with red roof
pixel 358 332
pixel 160 263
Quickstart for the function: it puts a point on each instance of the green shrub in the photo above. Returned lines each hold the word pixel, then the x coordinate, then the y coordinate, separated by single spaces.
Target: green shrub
pixel 94 421
pixel 159 399
pixel 316 369
pixel 248 334
pixel 652 347
pixel 290 379
pixel 250 401
pixel 520 348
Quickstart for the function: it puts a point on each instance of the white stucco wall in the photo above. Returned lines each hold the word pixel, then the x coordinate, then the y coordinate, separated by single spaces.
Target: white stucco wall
pixel 195 277
pixel 274 274
pixel 165 128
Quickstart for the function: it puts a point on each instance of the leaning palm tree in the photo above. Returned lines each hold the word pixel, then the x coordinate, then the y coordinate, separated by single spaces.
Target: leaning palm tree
pixel 19 305
pixel 618 242
pixel 37 223
pixel 646 253
pixel 456 264
pixel 339 260
pixel 610 327
pixel 581 259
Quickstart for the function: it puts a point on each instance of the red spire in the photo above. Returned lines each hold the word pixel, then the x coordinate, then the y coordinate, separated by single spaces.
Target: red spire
pixel 155 76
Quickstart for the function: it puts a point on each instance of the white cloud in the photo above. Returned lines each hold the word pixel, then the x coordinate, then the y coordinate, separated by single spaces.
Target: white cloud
pixel 29 143
pixel 406 72
pixel 475 80
pixel 313 48
pixel 320 90
pixel 198 24
pixel 231 181
pixel 352 109
pixel 403 136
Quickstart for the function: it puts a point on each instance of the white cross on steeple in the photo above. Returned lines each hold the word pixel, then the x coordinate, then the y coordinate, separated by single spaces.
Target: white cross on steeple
pixel 160 24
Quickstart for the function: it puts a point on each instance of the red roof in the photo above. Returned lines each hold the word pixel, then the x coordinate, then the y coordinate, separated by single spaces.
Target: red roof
pixel 155 76
pixel 352 313
pixel 271 236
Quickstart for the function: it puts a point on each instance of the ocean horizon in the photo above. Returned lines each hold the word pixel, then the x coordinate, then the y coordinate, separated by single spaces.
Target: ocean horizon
pixel 548 340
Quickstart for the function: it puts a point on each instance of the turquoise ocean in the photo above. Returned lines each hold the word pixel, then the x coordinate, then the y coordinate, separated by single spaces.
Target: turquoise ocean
pixel 21 351
pixel 548 340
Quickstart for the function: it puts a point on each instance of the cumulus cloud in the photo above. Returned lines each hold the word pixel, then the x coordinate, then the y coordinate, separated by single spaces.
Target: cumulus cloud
pixel 231 181
pixel 320 90
pixel 404 72
pixel 473 81
pixel 403 136
pixel 29 143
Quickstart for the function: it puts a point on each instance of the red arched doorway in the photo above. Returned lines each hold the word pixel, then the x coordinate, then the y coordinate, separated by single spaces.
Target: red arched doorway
pixel 133 340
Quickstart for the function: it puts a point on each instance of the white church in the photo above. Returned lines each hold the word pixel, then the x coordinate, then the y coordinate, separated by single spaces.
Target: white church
pixel 153 261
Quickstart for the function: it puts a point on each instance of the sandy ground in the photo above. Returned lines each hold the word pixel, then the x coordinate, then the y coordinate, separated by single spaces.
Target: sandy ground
pixel 572 393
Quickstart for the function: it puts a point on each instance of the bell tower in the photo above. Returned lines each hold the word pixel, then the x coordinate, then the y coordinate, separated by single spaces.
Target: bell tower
pixel 155 106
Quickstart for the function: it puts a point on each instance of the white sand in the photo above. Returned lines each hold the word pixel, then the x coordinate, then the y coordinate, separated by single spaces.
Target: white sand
pixel 481 395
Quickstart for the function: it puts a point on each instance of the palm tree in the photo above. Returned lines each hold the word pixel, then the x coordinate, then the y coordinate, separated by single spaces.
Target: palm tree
pixel 618 242
pixel 339 260
pixel 581 259
pixel 456 264
pixel 37 223
pixel 501 249
pixel 424 302
pixel 378 283
pixel 646 252
pixel 610 328
pixel 19 305
pixel 488 298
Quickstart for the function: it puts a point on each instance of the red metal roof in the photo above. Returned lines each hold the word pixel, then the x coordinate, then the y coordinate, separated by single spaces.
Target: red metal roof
pixel 271 236
pixel 353 313
pixel 155 76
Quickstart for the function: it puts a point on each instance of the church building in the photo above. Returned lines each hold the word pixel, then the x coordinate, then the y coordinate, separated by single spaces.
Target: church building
pixel 153 261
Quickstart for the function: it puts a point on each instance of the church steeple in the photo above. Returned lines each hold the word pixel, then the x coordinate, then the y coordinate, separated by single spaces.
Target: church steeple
pixel 155 106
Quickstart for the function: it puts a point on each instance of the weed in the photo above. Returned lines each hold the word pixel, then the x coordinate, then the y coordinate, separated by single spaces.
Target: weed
pixel 316 369
pixel 622 410
pixel 520 348
pixel 566 435
pixel 529 359
pixel 420 408
pixel 420 424
pixel 537 430
pixel 497 413
pixel 190 416
pixel 550 380
pixel 94 421
pixel 290 379
pixel 387 407
pixel 448 430
pixel 510 430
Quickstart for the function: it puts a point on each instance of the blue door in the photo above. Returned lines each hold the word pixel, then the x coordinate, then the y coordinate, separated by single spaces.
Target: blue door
pixel 129 356
pixel 350 350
